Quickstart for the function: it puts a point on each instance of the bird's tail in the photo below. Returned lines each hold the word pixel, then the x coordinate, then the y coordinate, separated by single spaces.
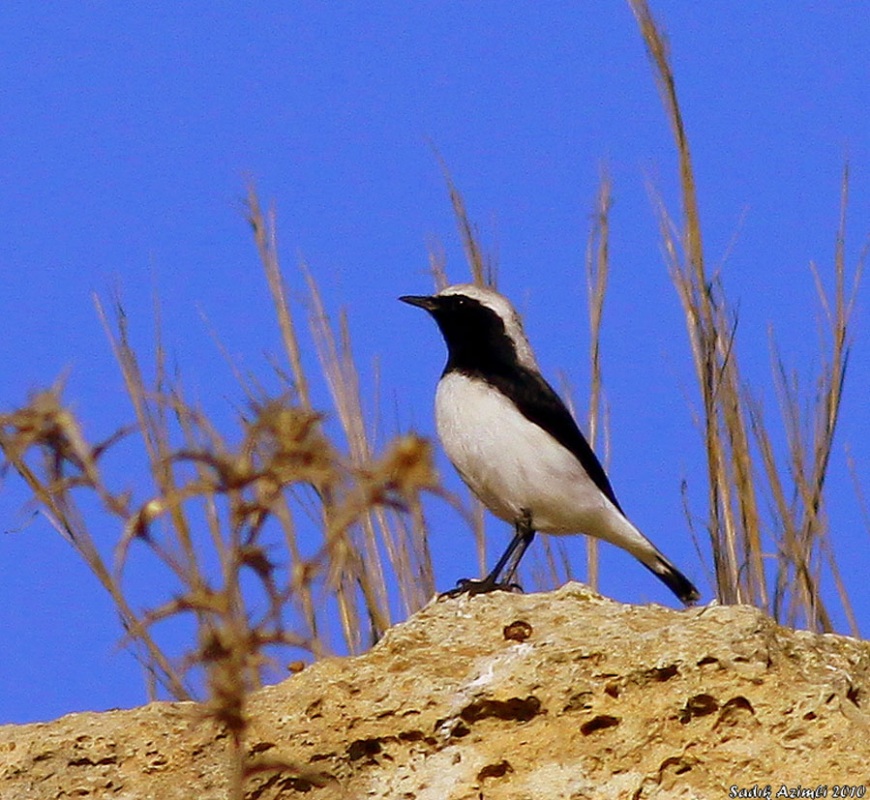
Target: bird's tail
pixel 618 530
pixel 671 577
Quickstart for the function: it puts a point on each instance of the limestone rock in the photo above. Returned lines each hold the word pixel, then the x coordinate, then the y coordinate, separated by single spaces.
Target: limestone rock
pixel 559 695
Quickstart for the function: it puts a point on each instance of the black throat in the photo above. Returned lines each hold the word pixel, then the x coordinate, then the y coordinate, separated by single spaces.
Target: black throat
pixel 477 341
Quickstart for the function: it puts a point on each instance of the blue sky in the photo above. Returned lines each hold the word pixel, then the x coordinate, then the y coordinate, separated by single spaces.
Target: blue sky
pixel 128 135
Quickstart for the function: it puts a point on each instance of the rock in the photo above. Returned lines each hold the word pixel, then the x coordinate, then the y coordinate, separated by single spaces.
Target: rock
pixel 558 695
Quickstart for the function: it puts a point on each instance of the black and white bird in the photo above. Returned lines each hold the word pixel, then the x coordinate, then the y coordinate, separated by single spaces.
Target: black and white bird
pixel 516 445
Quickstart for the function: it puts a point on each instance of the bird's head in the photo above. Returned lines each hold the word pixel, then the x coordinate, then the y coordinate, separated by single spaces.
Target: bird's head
pixel 479 325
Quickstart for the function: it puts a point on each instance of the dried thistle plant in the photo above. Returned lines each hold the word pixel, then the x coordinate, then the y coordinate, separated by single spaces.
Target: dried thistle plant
pixel 267 535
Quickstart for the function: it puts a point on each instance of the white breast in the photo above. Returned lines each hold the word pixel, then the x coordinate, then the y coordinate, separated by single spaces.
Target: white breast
pixel 512 464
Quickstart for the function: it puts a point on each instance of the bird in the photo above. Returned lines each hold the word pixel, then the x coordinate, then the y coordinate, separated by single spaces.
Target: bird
pixel 516 445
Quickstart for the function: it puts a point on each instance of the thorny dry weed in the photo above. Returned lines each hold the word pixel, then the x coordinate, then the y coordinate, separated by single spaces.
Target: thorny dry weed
pixel 242 505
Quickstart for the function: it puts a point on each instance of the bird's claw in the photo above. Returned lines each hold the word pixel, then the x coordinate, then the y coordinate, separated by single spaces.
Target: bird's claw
pixel 471 586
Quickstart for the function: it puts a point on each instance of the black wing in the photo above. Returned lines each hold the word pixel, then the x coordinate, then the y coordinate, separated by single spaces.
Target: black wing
pixel 538 402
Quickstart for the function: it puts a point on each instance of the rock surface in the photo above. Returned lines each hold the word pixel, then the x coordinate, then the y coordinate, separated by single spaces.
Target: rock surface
pixel 559 695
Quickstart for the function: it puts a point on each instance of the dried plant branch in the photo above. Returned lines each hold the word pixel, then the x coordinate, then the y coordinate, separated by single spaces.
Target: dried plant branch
pixel 266 239
pixel 483 271
pixel 734 518
pixel 732 420
pixel 47 433
pixel 597 272
pixel 213 499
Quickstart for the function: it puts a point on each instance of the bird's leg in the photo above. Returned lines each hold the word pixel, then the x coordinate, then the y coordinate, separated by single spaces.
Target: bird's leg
pixel 513 555
pixel 510 559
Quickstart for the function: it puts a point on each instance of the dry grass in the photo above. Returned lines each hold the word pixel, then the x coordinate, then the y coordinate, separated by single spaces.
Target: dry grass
pixel 784 571
pixel 484 271
pixel 230 517
pixel 597 271
pixel 246 506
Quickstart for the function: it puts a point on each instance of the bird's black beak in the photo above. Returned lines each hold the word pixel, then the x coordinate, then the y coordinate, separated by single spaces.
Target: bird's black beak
pixel 422 301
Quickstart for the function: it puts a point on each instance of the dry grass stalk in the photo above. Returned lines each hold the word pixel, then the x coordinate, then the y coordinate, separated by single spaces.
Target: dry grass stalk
pixel 483 270
pixel 266 238
pixel 597 271
pixel 732 421
pixel 247 507
pixel 806 549
pixel 731 499
pixel 406 546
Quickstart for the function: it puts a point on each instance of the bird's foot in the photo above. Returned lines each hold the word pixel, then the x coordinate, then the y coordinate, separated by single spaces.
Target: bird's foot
pixel 471 586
